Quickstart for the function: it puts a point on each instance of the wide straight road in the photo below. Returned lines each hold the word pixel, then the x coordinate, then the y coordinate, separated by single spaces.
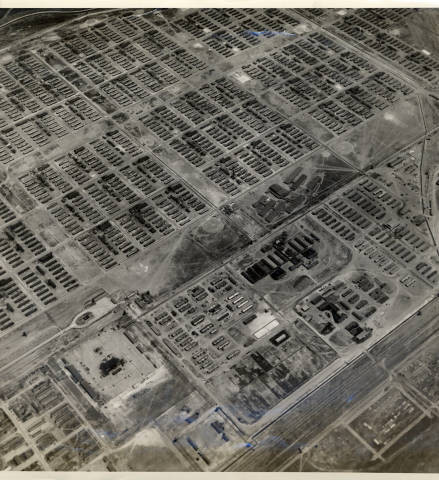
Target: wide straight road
pixel 278 443
pixel 298 426
pixel 408 336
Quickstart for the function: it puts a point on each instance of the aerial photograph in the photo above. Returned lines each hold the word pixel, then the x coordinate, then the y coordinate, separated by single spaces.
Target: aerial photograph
pixel 219 240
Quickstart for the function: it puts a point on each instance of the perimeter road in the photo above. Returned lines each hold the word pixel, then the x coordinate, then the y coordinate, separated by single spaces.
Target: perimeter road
pixel 282 440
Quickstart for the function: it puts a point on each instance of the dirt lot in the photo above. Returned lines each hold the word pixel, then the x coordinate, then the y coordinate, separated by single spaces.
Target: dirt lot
pixel 339 450
pixel 385 419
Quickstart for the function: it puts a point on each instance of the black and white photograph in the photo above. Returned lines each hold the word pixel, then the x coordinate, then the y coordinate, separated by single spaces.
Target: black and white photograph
pixel 219 240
